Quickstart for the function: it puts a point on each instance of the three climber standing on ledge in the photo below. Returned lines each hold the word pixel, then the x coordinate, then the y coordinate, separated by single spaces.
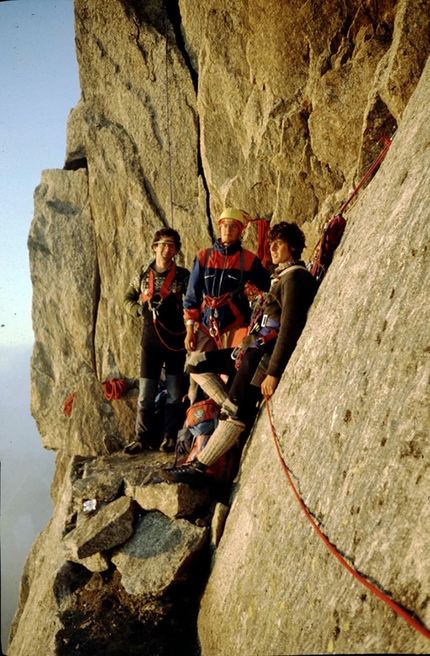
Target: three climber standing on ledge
pixel 209 312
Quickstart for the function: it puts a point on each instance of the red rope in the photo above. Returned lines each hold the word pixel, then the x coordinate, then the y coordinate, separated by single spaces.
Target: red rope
pixel 114 388
pixel 369 172
pixel 263 228
pixel 68 405
pixel 416 624
pixel 155 321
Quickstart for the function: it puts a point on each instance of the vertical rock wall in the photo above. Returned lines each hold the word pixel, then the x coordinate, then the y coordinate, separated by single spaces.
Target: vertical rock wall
pixel 352 418
pixel 276 108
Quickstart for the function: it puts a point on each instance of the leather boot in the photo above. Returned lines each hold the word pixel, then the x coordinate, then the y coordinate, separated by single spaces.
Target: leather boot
pixel 172 424
pixel 193 474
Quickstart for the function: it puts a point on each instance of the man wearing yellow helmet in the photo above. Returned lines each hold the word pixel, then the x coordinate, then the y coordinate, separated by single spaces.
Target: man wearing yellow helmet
pixel 216 309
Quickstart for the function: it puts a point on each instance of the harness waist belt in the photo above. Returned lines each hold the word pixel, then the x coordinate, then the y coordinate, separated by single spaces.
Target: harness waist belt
pixel 268 323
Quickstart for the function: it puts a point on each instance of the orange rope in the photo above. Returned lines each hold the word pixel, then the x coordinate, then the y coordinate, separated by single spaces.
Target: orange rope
pixel 315 265
pixel 263 227
pixel 114 388
pixel 407 615
pixel 387 143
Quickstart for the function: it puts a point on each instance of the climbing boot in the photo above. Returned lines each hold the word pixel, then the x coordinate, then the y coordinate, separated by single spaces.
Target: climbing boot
pixel 193 474
pixel 139 445
pixel 168 444
pixel 133 448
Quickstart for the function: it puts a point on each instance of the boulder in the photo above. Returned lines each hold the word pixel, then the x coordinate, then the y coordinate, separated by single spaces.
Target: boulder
pixel 159 554
pixel 104 530
pixel 177 500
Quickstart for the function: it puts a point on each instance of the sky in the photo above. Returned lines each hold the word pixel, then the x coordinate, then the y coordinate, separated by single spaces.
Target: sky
pixel 38 88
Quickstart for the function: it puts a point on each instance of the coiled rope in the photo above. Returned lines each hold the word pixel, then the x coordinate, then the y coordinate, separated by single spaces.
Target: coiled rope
pixel 114 388
pixel 402 612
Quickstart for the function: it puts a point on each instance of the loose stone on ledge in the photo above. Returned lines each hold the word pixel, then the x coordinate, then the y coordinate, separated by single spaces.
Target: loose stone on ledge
pixel 109 527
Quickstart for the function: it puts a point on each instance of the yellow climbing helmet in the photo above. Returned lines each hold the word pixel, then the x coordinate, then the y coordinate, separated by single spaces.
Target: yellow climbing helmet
pixel 234 214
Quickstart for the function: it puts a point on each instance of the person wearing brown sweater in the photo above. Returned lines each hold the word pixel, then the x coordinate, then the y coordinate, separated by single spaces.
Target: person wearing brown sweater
pixel 264 354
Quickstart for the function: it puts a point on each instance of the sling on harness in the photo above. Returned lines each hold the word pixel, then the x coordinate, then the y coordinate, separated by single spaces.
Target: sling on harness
pixel 148 297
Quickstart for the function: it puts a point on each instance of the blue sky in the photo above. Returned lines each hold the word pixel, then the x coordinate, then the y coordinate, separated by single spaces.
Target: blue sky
pixel 38 88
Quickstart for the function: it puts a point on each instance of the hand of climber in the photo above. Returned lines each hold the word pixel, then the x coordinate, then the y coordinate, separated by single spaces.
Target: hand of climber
pixel 190 338
pixel 269 385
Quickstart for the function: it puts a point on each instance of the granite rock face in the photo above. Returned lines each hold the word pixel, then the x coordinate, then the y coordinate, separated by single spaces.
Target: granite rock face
pixel 275 107
pixel 158 554
pixel 352 419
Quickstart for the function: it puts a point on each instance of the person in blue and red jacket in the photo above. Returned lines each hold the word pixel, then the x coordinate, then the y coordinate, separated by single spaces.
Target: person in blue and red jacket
pixel 216 308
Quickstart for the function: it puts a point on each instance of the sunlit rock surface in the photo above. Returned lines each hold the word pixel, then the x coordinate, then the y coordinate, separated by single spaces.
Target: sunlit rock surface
pixel 276 108
pixel 352 418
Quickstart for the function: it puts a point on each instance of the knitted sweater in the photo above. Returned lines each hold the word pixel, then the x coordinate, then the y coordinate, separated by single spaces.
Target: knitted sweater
pixel 169 312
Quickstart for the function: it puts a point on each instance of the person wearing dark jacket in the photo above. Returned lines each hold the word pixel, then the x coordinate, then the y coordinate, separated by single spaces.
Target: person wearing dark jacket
pixel 216 308
pixel 156 294
pixel 264 353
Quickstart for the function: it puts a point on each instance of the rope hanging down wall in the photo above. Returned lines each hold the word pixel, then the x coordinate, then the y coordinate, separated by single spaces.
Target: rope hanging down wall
pixel 169 151
pixel 323 252
pixel 316 263
pixel 397 608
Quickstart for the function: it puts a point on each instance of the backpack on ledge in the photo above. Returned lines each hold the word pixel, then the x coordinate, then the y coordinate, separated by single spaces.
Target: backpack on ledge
pixel 201 421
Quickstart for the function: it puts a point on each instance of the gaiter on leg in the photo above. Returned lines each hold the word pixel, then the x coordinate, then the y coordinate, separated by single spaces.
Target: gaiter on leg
pixel 212 385
pixel 223 438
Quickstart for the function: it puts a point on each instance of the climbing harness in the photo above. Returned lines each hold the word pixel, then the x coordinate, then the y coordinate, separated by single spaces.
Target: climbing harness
pixel 397 608
pixel 261 324
pixel 148 297
pixel 323 252
pixel 216 302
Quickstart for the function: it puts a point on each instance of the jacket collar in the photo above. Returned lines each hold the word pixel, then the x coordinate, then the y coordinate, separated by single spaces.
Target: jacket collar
pixel 228 250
